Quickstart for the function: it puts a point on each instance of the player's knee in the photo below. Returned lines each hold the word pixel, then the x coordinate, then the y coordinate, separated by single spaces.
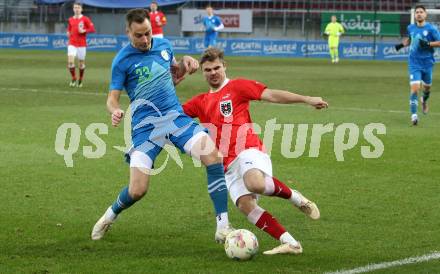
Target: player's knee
pixel 246 204
pixel 82 65
pixel 137 193
pixel 254 181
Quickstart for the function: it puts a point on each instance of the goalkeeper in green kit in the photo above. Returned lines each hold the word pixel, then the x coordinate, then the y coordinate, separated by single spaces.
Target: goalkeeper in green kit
pixel 334 30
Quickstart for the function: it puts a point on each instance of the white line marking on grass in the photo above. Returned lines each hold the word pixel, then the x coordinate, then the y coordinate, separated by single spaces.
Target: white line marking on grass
pixel 371 267
pixel 69 92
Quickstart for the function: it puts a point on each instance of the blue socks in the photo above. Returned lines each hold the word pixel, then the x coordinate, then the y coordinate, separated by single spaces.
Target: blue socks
pixel 124 201
pixel 217 188
pixel 413 103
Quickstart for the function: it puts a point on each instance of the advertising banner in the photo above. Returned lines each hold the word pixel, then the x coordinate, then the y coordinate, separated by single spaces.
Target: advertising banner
pixel 367 24
pixel 234 20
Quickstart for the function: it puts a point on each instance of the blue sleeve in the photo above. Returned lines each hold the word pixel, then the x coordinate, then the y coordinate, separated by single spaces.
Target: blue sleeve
pixel 408 32
pixel 118 76
pixel 219 21
pixel 170 48
pixel 435 34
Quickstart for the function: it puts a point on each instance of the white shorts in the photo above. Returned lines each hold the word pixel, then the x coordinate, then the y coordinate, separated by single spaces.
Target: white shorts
pixel 246 160
pixel 79 52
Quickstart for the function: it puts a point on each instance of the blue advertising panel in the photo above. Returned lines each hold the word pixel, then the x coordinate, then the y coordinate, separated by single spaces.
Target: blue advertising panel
pixel 232 47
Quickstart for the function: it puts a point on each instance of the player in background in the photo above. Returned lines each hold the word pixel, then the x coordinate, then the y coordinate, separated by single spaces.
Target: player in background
pixel 147 70
pixel 157 19
pixel 77 29
pixel 422 38
pixel 224 110
pixel 212 24
pixel 334 30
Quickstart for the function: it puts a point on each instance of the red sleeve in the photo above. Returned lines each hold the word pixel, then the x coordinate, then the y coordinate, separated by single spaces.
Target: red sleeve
pixel 164 19
pixel 69 26
pixel 89 25
pixel 249 89
pixel 191 108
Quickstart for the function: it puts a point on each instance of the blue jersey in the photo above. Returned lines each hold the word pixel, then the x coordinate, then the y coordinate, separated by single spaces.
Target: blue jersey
pixel 210 22
pixel 418 56
pixel 146 77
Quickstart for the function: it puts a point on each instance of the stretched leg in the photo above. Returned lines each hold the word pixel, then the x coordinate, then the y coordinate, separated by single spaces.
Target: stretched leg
pixel 202 147
pixel 258 182
pixel 136 189
pixel 266 222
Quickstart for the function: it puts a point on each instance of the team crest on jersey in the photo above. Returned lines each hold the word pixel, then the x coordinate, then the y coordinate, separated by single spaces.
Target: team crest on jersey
pixel 165 55
pixel 226 108
pixel 425 33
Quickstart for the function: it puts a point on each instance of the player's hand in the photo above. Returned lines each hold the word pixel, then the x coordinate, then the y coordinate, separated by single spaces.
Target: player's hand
pixel 317 102
pixel 176 74
pixel 399 46
pixel 189 64
pixel 424 44
pixel 117 116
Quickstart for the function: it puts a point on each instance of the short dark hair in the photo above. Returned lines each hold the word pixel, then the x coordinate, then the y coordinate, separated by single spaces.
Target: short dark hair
pixel 77 4
pixel 420 7
pixel 137 16
pixel 211 54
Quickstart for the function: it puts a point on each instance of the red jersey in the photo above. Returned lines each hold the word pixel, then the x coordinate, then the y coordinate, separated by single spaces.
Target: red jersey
pixel 156 18
pixel 76 38
pixel 227 114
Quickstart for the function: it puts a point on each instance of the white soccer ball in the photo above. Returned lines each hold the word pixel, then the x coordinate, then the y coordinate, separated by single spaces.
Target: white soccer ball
pixel 241 244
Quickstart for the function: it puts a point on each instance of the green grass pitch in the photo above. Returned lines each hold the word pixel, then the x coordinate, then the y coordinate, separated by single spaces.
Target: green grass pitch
pixel 372 210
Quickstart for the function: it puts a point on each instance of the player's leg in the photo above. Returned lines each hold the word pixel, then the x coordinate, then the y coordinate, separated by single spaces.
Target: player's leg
pixel 256 169
pixel 415 82
pixel 81 64
pixel 71 54
pixel 206 40
pixel 140 165
pixel 246 202
pixel 193 140
pixel 336 50
pixel 266 222
pixel 426 83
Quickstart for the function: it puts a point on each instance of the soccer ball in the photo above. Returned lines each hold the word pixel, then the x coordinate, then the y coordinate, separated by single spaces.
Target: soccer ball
pixel 241 245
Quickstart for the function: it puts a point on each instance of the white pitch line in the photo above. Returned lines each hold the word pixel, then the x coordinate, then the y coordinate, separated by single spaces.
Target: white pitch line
pixel 73 92
pixel 371 267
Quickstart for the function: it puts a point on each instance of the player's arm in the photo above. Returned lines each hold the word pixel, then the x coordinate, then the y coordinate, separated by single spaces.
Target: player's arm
pixel 90 27
pixel 69 29
pixel 179 69
pixel 219 26
pixel 405 42
pixel 114 107
pixel 163 20
pixel 327 30
pixel 286 97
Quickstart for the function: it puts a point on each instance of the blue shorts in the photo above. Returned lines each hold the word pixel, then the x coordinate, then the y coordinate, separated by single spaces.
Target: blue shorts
pixel 210 39
pixel 420 75
pixel 150 136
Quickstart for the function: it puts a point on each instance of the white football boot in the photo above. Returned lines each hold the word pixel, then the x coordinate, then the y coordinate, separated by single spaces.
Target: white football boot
pixel 220 234
pixel 285 249
pixel 308 207
pixel 101 227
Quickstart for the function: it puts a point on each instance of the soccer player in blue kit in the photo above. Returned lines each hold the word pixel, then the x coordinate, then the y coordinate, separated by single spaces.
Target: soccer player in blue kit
pixel 422 38
pixel 212 24
pixel 147 70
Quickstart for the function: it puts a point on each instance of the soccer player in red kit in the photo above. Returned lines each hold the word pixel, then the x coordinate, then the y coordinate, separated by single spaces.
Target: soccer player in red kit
pixel 224 110
pixel 157 19
pixel 77 29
